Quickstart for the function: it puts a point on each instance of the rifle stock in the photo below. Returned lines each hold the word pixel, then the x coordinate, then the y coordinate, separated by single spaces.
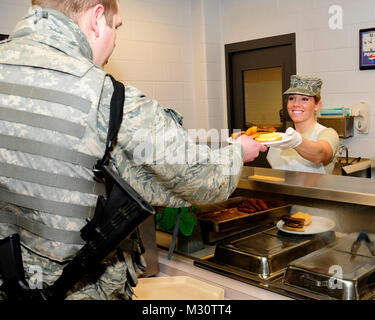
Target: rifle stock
pixel 11 267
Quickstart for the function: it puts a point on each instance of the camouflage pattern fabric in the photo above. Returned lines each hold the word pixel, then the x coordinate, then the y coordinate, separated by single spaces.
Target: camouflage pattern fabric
pixel 48 65
pixel 175 171
pixel 304 85
pixel 111 284
pixel 153 152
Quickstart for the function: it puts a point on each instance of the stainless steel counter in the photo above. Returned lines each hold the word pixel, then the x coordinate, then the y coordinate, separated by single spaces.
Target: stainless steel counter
pixel 345 189
pixel 348 201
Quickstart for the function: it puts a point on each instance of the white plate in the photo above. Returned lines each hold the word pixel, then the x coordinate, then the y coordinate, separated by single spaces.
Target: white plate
pixel 284 137
pixel 317 225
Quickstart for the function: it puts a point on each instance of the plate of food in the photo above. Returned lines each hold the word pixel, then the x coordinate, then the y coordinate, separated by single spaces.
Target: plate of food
pixel 265 135
pixel 304 224
pixel 273 138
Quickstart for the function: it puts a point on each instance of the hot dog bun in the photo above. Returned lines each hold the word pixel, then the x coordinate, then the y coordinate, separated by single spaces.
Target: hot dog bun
pixel 269 137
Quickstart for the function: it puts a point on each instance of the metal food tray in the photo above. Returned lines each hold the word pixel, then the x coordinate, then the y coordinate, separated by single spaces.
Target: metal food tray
pixel 273 214
pixel 267 253
pixel 334 272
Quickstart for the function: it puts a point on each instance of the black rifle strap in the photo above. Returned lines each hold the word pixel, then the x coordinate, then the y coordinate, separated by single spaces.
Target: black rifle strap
pixel 115 119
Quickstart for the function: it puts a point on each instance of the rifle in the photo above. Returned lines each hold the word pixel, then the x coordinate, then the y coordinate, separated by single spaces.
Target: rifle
pixel 115 218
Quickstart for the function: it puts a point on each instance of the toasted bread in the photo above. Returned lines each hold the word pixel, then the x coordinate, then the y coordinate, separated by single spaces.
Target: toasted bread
pixel 302 215
pixel 293 229
pixel 297 222
pixel 269 137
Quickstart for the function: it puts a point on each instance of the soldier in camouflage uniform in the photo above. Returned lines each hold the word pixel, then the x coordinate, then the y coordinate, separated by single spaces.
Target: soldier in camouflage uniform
pixel 311 146
pixel 55 101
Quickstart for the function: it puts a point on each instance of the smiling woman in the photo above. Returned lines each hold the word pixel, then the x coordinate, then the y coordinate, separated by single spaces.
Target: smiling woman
pixel 311 147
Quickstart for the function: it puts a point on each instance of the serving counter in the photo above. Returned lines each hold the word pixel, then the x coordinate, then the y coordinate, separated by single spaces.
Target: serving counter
pixel 336 188
pixel 347 201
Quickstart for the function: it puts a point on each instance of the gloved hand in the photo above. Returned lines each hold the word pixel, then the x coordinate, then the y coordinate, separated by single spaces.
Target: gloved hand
pixel 295 141
pixel 251 147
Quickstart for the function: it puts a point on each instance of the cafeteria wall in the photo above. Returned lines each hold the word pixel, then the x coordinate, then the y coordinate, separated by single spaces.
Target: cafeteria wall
pixel 162 49
pixel 173 50
pixel 331 54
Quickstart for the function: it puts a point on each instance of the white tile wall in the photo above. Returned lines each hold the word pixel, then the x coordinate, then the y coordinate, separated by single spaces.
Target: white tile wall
pixel 154 52
pixel 329 54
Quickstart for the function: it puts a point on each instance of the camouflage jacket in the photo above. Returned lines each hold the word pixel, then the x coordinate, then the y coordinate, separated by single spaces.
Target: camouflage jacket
pixel 168 178
pixel 153 151
pixel 49 139
pixel 156 156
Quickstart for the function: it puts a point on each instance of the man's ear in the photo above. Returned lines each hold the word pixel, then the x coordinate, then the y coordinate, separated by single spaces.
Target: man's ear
pixel 96 13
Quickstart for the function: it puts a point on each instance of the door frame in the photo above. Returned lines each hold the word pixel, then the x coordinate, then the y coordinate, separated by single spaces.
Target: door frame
pixel 250 45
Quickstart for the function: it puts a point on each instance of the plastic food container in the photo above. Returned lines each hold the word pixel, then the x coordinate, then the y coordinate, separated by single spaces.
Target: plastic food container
pixel 176 288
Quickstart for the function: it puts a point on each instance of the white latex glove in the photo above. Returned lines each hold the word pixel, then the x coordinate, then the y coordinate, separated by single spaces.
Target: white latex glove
pixel 295 141
pixel 251 147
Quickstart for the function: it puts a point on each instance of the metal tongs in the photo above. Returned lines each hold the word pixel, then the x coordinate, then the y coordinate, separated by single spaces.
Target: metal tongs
pixel 363 236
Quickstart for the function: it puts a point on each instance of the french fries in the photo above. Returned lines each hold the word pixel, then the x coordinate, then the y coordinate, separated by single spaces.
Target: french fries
pixel 253 132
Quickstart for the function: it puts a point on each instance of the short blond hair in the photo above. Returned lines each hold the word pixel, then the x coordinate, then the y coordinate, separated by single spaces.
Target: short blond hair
pixel 75 8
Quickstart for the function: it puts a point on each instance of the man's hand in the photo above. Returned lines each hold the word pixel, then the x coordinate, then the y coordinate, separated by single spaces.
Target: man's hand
pixel 295 141
pixel 251 147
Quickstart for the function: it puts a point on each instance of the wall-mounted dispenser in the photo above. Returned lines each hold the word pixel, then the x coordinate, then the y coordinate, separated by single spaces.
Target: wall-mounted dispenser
pixel 344 125
pixel 361 114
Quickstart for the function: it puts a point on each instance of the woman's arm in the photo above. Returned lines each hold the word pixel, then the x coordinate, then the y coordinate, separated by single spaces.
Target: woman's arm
pixel 320 151
pixel 315 151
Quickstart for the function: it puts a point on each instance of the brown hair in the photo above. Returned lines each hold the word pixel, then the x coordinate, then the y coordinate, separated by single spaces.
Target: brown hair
pixel 74 8
pixel 317 98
